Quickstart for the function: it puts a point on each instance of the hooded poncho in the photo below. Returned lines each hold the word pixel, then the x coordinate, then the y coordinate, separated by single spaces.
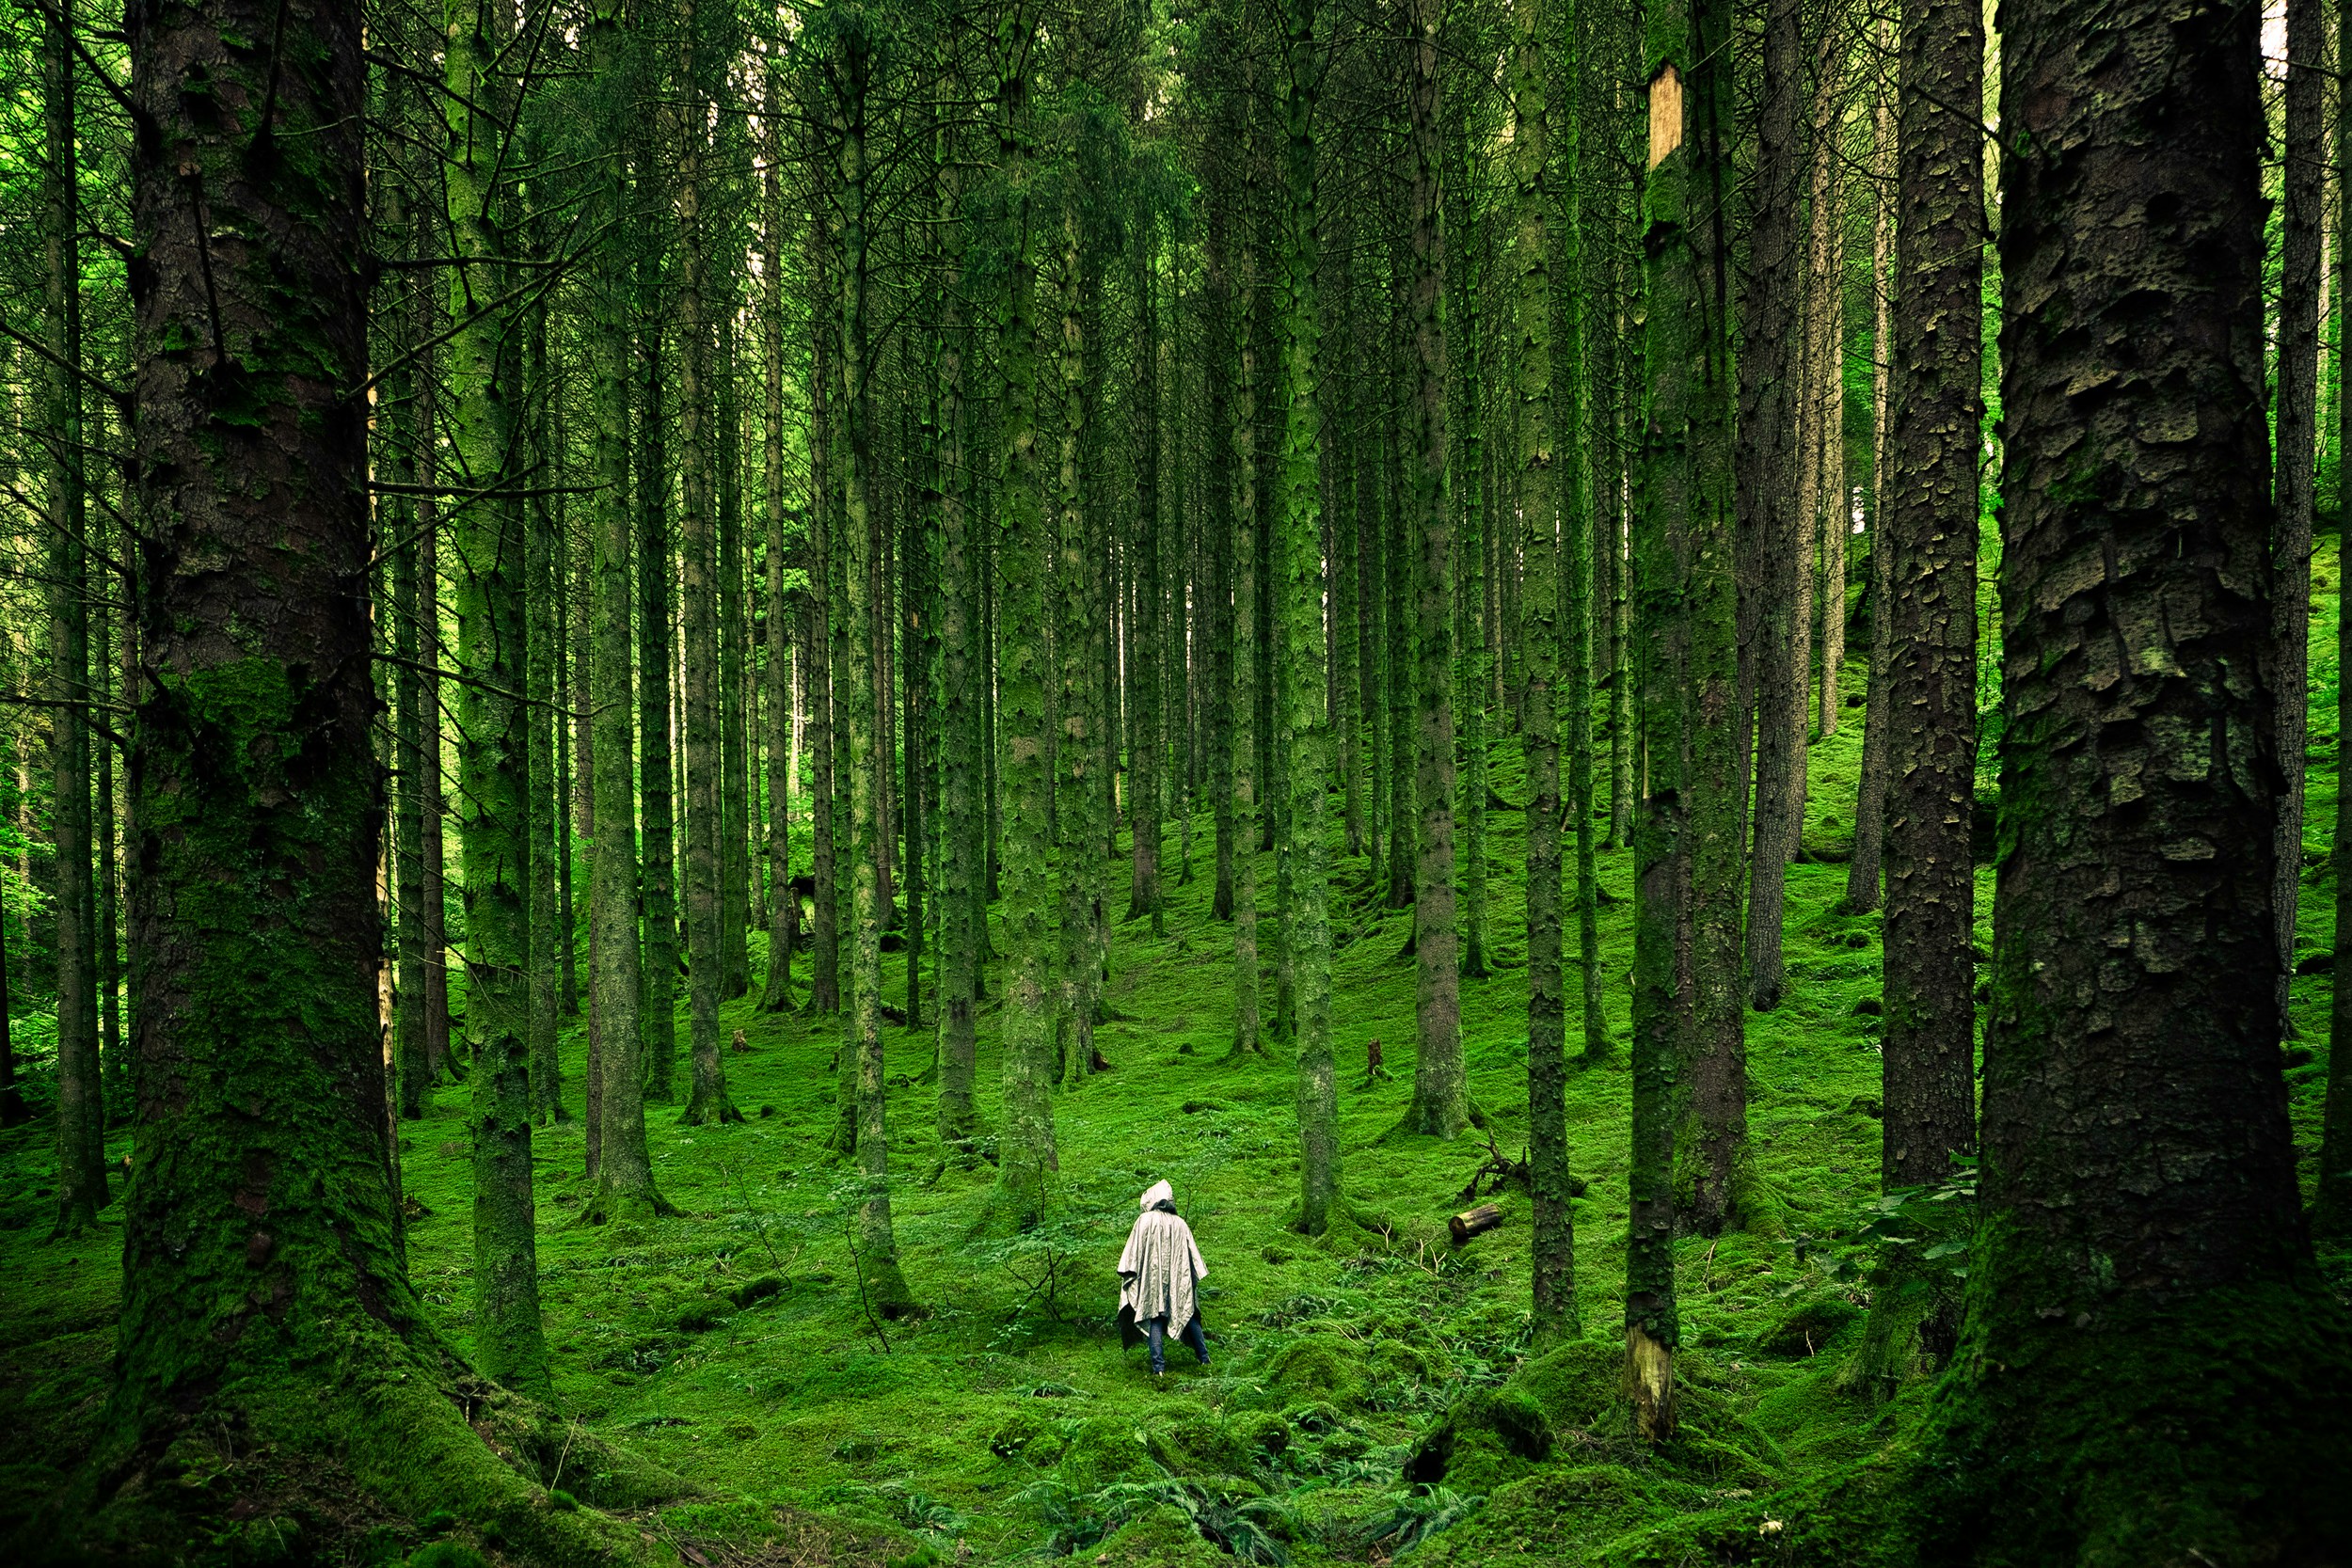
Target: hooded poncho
pixel 1159 1269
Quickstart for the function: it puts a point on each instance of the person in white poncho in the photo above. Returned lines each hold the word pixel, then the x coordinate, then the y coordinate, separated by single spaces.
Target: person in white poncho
pixel 1157 1274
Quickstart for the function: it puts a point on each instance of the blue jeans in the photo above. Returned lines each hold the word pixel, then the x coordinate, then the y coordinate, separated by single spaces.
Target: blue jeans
pixel 1156 1329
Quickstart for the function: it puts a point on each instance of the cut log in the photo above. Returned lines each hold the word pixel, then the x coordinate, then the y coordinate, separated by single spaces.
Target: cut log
pixel 1474 1222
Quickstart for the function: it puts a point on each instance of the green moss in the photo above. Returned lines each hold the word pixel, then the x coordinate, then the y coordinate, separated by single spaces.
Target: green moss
pixel 1316 1369
pixel 1487 1439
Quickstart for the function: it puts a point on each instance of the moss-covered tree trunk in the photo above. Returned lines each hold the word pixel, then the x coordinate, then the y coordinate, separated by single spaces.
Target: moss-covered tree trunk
pixel 1247 648
pixel 1078 850
pixel 1026 1159
pixel 265 1309
pixel 1551 1263
pixel 412 1059
pixel 1768 501
pixel 1146 749
pixel 493 720
pixel 1580 517
pixel 964 663
pixel 81 1108
pixel 543 832
pixel 1440 1104
pixel 657 790
pixel 698 549
pixel 824 993
pixel 2140 1263
pixel 1301 574
pixel 623 1168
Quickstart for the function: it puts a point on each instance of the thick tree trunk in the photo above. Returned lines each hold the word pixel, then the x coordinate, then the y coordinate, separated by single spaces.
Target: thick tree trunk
pixel 1826 320
pixel 1767 499
pixel 1247 649
pixel 2139 1261
pixel 733 689
pixel 1440 1104
pixel 818 614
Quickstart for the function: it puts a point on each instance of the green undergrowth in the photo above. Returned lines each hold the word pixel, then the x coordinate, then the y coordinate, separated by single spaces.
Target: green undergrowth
pixel 1373 1395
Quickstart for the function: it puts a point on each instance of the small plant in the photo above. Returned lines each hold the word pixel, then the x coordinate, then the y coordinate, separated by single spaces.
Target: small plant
pixel 1418 1515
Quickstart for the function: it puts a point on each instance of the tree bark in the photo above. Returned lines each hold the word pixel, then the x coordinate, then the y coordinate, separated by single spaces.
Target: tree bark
pixel 81 1113
pixel 2139 1250
pixel 1862 872
pixel 2303 174
pixel 1767 499
pixel 624 1186
pixel 1440 1104
pixel 1937 408
pixel 2331 1199
pixel 1026 1157
pixel 1552 1248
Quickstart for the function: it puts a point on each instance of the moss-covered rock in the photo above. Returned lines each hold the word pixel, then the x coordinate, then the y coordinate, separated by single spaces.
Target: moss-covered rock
pixel 1316 1367
pixel 1103 1450
pixel 1579 1385
pixel 1808 1325
pixel 1162 1538
pixel 1489 1438
pixel 1262 1431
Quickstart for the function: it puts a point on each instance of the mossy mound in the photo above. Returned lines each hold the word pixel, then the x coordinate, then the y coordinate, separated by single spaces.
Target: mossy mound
pixel 1579 1385
pixel 1313 1368
pixel 1103 1450
pixel 1489 1438
pixel 1162 1538
pixel 1809 1325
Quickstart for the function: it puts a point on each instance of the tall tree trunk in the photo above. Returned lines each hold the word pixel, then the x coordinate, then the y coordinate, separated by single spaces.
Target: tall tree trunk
pixel 493 811
pixel 734 688
pixel 1833 520
pixel 1299 323
pixel 784 899
pixel 698 547
pixel 1247 649
pixel 963 906
pixel 1440 1104
pixel 81 1113
pixel 1937 408
pixel 1721 1179
pixel 848 67
pixel 657 790
pixel 1862 872
pixel 1026 1158
pixel 1928 1066
pixel 413 1061
pixel 2332 1200
pixel 624 1166
pixel 1076 739
pixel 2138 1249
pixel 544 835
pixel 1768 501
pixel 2304 174
pixel 1581 518
pixel 824 993
pixel 1145 745
pixel 1551 1263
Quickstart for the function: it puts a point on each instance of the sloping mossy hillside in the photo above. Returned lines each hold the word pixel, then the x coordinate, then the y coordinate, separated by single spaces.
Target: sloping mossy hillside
pixel 1371 1395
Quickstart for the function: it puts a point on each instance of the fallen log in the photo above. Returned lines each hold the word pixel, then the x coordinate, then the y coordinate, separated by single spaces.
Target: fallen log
pixel 1474 1222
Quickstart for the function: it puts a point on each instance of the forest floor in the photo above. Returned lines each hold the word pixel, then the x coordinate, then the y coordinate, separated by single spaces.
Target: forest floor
pixel 730 1343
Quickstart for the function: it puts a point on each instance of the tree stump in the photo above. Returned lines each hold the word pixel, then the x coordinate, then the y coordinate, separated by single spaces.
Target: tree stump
pixel 1474 1222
